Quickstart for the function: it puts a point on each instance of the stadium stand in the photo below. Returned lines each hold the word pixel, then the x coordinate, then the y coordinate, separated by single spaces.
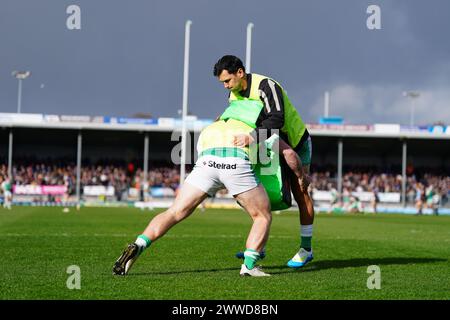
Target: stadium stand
pixel 374 161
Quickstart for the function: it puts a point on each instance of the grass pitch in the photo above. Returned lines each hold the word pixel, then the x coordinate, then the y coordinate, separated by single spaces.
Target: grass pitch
pixel 195 260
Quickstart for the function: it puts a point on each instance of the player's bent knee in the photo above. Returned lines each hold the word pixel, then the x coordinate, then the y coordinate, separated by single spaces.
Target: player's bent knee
pixel 268 218
pixel 264 219
pixel 264 211
pixel 260 213
pixel 265 214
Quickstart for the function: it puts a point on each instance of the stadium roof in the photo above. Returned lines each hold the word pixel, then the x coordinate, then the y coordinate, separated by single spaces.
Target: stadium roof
pixel 15 120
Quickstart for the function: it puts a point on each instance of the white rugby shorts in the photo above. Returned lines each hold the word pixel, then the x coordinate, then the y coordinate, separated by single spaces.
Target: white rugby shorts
pixel 212 173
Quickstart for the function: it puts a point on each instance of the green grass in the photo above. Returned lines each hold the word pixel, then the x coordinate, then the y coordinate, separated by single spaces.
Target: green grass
pixel 195 260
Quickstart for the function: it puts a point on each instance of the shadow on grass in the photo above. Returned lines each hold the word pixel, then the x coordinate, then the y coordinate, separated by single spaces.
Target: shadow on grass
pixel 313 266
pixel 237 268
pixel 354 263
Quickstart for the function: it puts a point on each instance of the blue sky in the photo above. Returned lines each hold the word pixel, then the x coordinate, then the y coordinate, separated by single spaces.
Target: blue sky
pixel 128 56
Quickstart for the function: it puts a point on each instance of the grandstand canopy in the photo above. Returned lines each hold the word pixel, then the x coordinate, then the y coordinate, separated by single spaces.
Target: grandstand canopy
pixel 110 143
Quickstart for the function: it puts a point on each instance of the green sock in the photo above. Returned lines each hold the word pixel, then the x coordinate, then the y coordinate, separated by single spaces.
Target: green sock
pixel 306 243
pixel 143 242
pixel 306 236
pixel 251 256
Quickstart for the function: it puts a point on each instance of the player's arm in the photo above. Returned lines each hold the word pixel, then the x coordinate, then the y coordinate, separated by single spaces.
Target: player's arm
pixel 291 157
pixel 271 118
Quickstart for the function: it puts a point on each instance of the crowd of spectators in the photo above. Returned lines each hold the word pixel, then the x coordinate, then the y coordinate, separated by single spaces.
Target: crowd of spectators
pixel 359 182
pixel 122 176
pixel 418 187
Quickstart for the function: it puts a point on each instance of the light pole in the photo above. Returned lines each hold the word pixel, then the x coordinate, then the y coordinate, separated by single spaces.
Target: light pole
pixel 413 95
pixel 248 53
pixel 327 104
pixel 20 75
pixel 187 37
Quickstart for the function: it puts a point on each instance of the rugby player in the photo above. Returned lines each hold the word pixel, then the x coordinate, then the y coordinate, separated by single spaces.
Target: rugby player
pixel 278 114
pixel 5 185
pixel 220 165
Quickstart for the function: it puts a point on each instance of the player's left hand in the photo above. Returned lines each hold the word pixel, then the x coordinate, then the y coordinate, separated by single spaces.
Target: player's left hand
pixel 242 140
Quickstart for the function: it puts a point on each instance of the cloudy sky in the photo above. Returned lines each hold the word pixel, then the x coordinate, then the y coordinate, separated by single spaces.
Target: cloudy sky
pixel 128 56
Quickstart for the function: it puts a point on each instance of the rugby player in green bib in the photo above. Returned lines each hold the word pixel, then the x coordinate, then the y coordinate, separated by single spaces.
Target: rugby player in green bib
pixel 5 185
pixel 278 115
pixel 220 165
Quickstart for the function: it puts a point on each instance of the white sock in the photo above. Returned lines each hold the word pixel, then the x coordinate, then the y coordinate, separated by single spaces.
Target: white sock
pixel 141 243
pixel 306 230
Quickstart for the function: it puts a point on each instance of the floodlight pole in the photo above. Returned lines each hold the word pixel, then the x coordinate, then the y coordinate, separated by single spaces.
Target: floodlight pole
pixel 404 158
pixel 20 76
pixel 10 154
pixel 144 184
pixel 339 166
pixel 19 96
pixel 248 53
pixel 326 104
pixel 413 95
pixel 78 184
pixel 187 35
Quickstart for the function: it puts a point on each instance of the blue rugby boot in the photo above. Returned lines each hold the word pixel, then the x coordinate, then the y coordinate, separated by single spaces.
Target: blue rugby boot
pixel 301 258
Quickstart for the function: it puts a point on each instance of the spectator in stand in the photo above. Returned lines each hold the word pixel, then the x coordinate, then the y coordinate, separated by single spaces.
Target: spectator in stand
pixel 429 193
pixel 355 205
pixel 374 200
pixel 6 190
pixel 346 194
pixel 436 201
pixel 420 197
pixel 334 203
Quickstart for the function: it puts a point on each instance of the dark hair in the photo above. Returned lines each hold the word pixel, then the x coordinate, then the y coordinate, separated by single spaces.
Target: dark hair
pixel 230 63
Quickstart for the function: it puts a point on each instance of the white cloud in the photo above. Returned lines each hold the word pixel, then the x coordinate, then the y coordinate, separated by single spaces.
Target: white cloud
pixel 386 104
